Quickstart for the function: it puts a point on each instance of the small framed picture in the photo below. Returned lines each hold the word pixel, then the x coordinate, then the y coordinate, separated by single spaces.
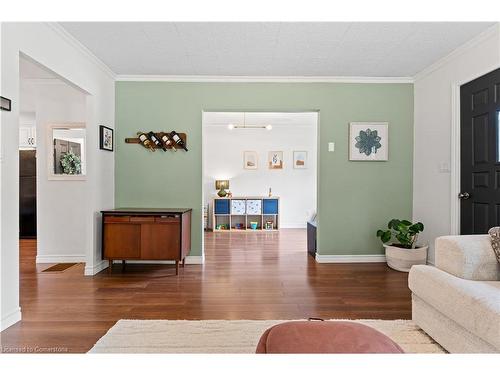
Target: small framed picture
pixel 5 104
pixel 275 159
pixel 300 159
pixel 250 160
pixel 369 141
pixel 105 138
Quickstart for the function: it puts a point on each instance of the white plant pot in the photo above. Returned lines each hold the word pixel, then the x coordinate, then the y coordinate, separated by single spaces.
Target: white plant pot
pixel 401 259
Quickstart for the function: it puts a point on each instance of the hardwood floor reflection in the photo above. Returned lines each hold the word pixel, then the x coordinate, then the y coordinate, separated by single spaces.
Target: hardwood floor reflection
pixel 245 276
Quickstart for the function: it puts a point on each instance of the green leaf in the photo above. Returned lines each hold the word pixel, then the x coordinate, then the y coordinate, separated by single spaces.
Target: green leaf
pixel 416 228
pixel 386 236
pixel 406 222
pixel 393 224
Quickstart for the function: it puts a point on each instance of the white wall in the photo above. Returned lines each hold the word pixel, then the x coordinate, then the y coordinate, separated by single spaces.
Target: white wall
pixel 54 49
pixel 433 121
pixel 223 159
pixel 61 205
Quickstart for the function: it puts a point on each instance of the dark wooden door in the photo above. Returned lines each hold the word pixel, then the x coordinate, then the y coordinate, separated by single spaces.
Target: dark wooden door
pixel 27 193
pixel 480 154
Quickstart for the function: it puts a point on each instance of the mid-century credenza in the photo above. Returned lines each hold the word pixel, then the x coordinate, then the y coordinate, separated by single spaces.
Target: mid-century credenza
pixel 146 234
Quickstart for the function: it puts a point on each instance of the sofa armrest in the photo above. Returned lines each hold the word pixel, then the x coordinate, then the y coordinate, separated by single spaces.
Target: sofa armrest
pixel 468 257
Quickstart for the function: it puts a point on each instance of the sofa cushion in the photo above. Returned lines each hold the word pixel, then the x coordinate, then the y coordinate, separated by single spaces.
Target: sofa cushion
pixel 475 305
pixel 469 257
pixel 325 337
pixel 495 241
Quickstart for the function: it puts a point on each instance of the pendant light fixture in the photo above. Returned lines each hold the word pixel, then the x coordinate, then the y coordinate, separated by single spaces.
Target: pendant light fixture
pixel 245 126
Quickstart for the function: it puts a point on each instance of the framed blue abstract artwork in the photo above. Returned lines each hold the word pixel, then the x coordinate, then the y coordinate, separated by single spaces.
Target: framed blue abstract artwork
pixel 369 141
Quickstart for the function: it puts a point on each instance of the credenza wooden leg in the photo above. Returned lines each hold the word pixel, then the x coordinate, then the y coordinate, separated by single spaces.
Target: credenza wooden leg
pixel 110 267
pixel 123 265
pixel 183 262
pixel 176 267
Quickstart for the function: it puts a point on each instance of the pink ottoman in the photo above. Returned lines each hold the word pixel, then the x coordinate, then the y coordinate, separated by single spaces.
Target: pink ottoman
pixel 325 337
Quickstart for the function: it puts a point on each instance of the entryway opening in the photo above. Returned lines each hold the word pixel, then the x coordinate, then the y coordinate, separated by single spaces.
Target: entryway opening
pixel 52 171
pixel 260 185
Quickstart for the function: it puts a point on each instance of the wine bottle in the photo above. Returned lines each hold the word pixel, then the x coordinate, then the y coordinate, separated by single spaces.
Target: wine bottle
pixel 177 139
pixel 167 142
pixel 146 142
pixel 155 139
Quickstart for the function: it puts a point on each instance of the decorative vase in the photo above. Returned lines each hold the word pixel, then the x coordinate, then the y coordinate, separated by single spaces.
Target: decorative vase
pixel 401 259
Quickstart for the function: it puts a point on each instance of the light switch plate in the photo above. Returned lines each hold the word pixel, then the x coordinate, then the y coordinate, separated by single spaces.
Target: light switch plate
pixel 331 146
pixel 444 167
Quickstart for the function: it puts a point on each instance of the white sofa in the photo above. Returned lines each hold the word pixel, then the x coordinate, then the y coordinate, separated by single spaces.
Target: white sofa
pixel 457 302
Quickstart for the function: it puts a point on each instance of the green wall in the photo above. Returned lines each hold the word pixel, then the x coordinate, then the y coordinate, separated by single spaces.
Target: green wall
pixel 354 198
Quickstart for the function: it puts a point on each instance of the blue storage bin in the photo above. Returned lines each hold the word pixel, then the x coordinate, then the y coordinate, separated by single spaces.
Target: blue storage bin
pixel 221 207
pixel 270 207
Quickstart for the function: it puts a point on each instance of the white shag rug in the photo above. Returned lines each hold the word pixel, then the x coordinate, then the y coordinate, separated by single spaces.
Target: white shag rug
pixel 230 336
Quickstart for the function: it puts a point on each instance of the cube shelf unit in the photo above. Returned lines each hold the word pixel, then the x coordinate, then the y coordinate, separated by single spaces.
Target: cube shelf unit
pixel 237 213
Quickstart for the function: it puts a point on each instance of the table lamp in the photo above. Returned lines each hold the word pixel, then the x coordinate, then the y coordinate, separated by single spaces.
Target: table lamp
pixel 222 185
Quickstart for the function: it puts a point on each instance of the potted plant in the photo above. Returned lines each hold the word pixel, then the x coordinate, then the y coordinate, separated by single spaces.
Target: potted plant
pixel 403 252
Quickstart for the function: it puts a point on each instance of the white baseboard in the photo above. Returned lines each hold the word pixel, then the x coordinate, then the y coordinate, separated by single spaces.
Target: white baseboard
pixel 195 259
pixel 301 225
pixel 369 258
pixel 145 262
pixel 11 318
pixel 91 271
pixel 60 258
pixel 190 259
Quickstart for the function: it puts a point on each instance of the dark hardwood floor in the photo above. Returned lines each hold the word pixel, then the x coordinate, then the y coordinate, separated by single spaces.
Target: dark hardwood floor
pixel 245 276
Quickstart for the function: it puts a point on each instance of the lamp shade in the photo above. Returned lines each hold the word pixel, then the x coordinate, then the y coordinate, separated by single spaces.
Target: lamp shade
pixel 221 184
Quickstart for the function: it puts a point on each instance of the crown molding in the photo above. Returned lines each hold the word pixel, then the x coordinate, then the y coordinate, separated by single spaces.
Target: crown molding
pixel 79 46
pixel 263 79
pixel 488 33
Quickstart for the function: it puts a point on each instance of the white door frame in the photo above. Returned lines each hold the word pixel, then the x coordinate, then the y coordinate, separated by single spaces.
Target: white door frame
pixel 455 149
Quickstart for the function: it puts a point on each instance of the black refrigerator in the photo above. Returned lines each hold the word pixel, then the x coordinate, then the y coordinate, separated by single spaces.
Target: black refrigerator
pixel 27 193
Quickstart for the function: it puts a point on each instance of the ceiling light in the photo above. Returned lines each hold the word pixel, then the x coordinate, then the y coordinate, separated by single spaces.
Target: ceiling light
pixel 245 126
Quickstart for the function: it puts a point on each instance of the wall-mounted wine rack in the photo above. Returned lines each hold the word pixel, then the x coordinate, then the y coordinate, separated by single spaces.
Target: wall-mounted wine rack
pixel 159 135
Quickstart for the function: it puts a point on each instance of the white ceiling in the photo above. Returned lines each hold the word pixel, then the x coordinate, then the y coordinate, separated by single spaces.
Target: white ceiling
pixel 275 119
pixel 369 49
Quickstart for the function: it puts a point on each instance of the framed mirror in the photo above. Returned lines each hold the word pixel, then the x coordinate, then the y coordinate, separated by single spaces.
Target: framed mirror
pixel 67 152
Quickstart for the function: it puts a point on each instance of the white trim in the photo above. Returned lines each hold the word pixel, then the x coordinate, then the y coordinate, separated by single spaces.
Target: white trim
pixel 145 261
pixel 79 46
pixel 369 258
pixel 190 259
pixel 60 258
pixel 455 161
pixel 10 318
pixel 292 225
pixel 195 259
pixel 285 79
pixel 93 270
pixel 488 33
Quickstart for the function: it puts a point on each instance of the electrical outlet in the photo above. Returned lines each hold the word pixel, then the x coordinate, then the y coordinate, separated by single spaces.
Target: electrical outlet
pixel 331 146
